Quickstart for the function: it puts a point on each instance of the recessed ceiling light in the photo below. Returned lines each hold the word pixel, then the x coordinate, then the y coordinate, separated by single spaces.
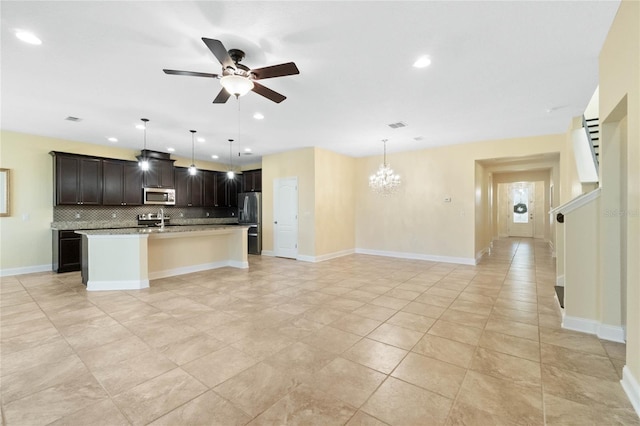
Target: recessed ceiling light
pixel 258 116
pixel 28 37
pixel 422 62
pixel 215 157
pixel 112 139
pixel 247 150
pixel 171 149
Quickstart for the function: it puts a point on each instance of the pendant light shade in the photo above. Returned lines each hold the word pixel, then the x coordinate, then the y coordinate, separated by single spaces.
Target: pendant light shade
pixel 384 181
pixel 192 167
pixel 143 163
pixel 236 85
pixel 230 174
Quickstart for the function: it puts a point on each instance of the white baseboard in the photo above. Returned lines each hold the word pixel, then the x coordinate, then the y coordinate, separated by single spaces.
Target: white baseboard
pixel 631 388
pixel 25 270
pixel 117 285
pixel 418 256
pixel 603 331
pixel 560 281
pixel 328 256
pixel 482 253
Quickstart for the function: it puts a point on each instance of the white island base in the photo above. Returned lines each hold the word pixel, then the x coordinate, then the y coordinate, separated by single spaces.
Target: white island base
pixel 126 259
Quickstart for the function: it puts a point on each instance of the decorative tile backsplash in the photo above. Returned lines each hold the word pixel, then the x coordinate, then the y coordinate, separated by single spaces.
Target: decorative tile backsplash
pixel 116 213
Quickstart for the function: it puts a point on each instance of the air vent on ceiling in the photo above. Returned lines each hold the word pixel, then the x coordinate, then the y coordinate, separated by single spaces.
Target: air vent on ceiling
pixel 71 118
pixel 398 125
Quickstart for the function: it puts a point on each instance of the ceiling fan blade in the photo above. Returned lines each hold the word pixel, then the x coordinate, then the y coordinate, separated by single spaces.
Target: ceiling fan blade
pixel 268 93
pixel 219 51
pixel 275 71
pixel 222 97
pixel 190 73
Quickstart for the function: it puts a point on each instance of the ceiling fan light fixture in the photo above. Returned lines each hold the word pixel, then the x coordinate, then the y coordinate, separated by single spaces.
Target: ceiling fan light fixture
pixel 236 85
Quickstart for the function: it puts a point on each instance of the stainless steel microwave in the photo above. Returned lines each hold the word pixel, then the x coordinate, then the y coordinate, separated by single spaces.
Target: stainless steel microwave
pixel 162 196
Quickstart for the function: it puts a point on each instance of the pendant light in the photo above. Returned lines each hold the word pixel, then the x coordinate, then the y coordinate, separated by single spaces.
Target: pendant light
pixel 192 167
pixel 144 162
pixel 384 181
pixel 230 174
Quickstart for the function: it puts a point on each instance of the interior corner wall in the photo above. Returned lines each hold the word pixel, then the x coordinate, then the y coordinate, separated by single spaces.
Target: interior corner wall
pixel 620 84
pixel 417 222
pixel 483 208
pixel 335 204
pixel 297 163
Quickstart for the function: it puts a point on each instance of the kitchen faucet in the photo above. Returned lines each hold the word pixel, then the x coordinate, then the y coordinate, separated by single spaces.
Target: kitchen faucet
pixel 161 214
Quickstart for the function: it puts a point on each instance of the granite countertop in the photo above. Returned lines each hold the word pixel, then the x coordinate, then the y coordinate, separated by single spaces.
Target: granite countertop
pixel 157 230
pixel 122 224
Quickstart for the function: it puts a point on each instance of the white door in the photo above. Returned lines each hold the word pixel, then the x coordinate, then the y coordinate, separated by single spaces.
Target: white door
pixel 521 206
pixel 285 214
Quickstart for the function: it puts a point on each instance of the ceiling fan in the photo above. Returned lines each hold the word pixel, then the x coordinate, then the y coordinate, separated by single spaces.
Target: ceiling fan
pixel 236 78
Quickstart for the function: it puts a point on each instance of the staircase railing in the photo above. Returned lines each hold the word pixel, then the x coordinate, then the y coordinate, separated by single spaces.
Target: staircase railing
pixel 592 128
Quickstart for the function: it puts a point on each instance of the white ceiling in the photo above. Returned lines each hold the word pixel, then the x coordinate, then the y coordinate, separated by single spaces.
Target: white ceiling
pixel 499 70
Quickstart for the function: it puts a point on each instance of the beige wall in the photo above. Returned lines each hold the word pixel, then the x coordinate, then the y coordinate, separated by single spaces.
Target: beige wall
pixel 416 221
pixel 301 164
pixel 326 200
pixel 335 203
pixel 25 240
pixel 620 98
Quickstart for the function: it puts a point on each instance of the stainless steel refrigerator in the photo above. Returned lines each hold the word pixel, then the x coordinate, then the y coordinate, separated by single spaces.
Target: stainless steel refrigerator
pixel 250 213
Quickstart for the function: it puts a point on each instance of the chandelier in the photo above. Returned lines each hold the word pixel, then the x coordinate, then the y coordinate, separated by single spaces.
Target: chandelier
pixel 384 181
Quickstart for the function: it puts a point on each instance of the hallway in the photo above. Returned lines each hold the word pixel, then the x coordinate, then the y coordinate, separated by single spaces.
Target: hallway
pixel 354 340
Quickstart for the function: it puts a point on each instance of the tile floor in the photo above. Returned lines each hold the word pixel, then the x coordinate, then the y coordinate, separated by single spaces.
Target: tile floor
pixel 359 340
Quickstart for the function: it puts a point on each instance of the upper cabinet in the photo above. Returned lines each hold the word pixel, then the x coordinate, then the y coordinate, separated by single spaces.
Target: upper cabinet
pixel 189 188
pixel 210 188
pixel 160 174
pixel 78 179
pixel 252 180
pixel 121 183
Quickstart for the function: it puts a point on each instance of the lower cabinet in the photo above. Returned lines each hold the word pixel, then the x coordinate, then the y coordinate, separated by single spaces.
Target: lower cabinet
pixel 67 251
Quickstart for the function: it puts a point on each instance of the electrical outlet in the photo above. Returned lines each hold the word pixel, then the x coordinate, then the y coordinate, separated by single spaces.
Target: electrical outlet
pixel 181 214
pixel 113 215
pixel 447 199
pixel 77 215
pixel 207 214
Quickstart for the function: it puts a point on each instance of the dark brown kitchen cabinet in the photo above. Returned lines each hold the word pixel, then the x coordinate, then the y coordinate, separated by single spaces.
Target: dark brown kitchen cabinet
pixel 122 183
pixel 227 190
pixel 252 181
pixel 67 251
pixel 78 179
pixel 160 174
pixel 210 187
pixel 189 188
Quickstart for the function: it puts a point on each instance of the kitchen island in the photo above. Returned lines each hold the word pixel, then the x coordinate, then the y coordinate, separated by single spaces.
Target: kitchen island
pixel 126 259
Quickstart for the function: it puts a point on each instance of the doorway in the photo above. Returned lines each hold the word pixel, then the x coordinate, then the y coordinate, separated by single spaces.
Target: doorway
pixel 285 217
pixel 517 208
